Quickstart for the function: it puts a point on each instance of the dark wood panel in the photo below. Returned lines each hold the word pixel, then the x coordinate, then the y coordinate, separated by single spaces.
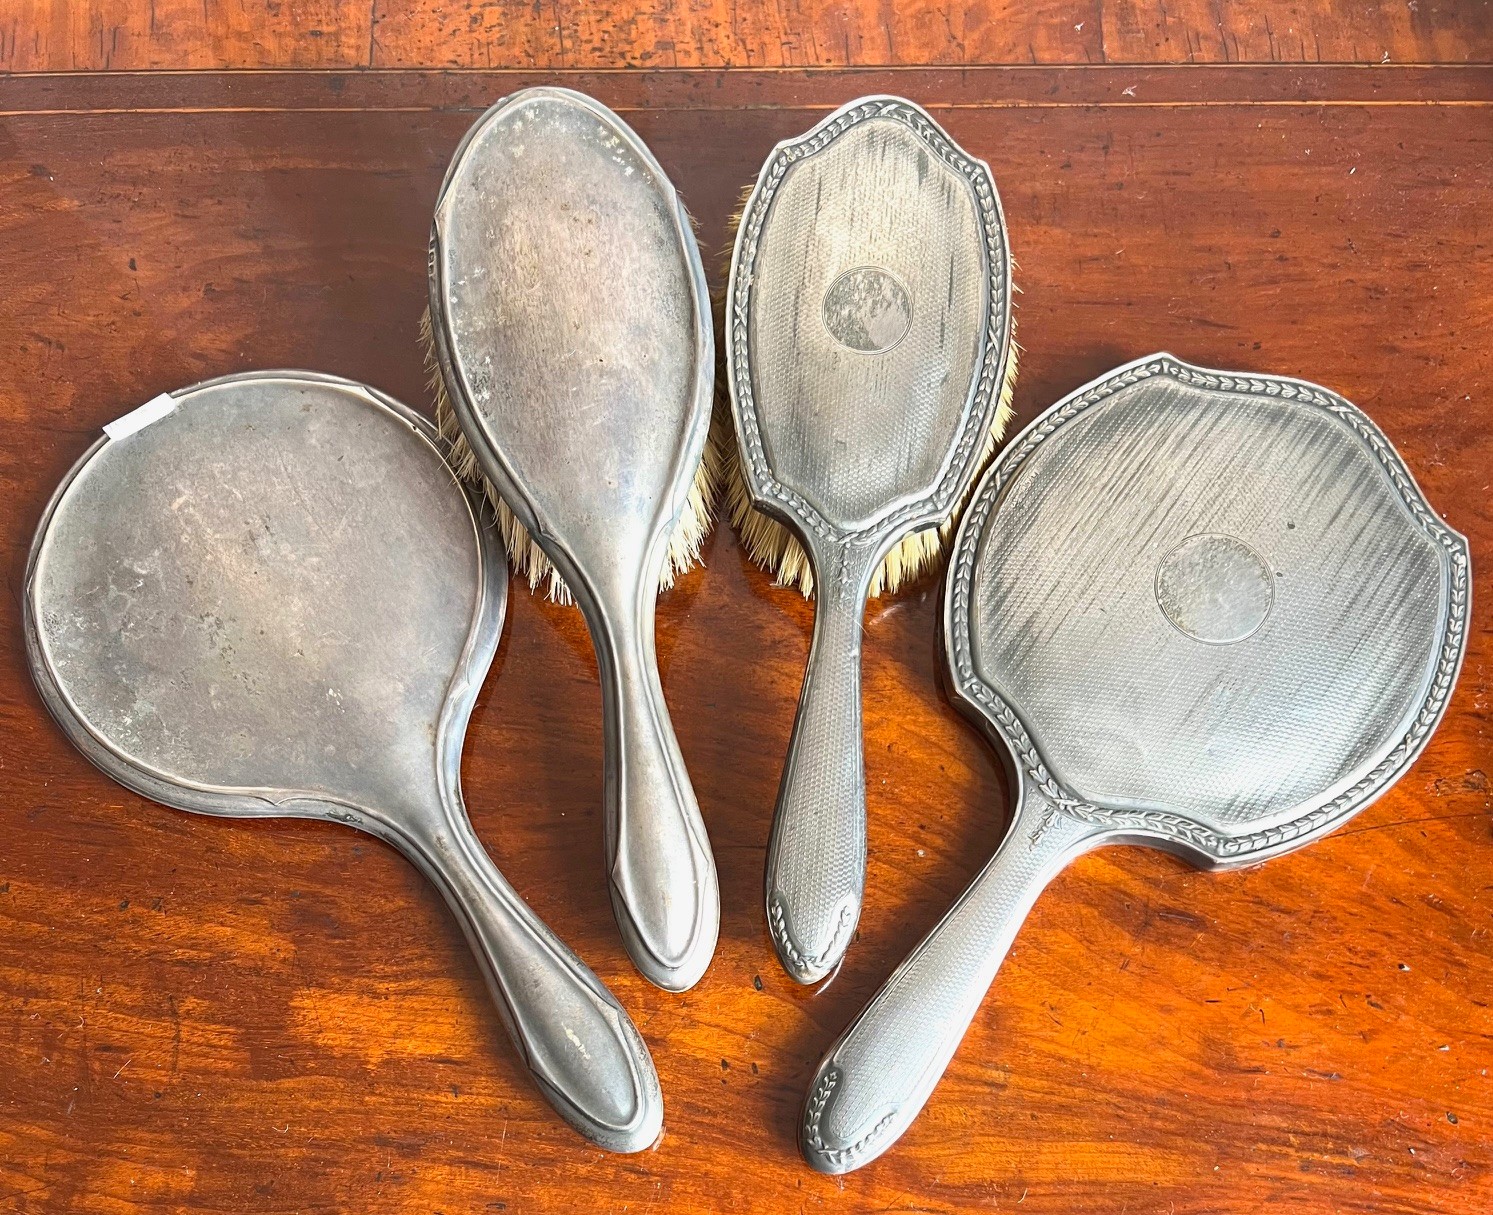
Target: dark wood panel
pixel 208 1016
pixel 1039 88
pixel 69 35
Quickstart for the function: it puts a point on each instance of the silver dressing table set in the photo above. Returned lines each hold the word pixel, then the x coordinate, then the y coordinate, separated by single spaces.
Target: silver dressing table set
pixel 1209 612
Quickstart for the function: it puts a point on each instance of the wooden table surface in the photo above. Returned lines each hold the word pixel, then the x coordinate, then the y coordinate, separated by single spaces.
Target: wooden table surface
pixel 207 1016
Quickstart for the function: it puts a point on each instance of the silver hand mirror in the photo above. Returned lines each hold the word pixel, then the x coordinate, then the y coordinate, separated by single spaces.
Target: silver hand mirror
pixel 273 599
pixel 1205 611
pixel 572 328
pixel 868 342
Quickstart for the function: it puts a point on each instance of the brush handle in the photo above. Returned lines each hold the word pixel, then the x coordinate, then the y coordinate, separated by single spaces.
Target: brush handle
pixel 579 1045
pixel 877 1077
pixel 816 856
pixel 665 893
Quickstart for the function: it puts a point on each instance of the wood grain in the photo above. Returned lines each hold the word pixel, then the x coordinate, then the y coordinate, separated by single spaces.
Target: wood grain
pixel 70 35
pixel 209 1016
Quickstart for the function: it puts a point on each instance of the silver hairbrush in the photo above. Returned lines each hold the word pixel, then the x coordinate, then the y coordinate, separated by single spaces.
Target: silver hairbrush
pixel 870 356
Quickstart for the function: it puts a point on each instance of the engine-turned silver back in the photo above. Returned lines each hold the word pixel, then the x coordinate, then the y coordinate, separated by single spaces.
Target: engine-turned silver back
pixel 1216 605
pixel 870 321
pixel 868 343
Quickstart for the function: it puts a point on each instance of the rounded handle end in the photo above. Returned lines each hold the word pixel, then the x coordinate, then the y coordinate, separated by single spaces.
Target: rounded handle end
pixel 665 893
pixel 670 945
pixel 884 1067
pixel 579 1045
pixel 622 1110
pixel 811 949
pixel 834 1140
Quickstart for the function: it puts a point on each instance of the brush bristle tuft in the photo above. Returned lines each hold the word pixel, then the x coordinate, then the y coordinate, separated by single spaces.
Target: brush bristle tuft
pixel 728 249
pixel 524 554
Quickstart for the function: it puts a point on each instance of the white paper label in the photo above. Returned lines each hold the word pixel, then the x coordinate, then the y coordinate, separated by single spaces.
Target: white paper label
pixel 139 419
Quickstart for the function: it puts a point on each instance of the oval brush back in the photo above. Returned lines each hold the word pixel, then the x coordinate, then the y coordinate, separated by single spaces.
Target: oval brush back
pixel 889 237
pixel 566 312
pixel 572 328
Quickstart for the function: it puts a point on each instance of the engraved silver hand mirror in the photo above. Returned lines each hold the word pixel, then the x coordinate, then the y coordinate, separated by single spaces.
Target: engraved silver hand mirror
pixel 273 599
pixel 868 344
pixel 1205 611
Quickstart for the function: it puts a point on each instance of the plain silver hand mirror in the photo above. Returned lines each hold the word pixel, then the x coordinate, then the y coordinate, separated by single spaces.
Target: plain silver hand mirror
pixel 1206 611
pixel 267 596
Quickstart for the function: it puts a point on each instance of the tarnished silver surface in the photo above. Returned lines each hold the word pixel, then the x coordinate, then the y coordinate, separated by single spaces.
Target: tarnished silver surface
pixel 276 601
pixel 867 342
pixel 1206 611
pixel 573 328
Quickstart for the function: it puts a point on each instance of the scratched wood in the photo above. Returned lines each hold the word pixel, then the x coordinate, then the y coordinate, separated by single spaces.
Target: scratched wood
pixel 207 1016
pixel 68 35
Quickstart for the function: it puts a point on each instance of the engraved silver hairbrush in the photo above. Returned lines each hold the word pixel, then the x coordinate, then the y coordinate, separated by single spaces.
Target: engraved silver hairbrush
pixel 267 596
pixel 870 356
pixel 1210 612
